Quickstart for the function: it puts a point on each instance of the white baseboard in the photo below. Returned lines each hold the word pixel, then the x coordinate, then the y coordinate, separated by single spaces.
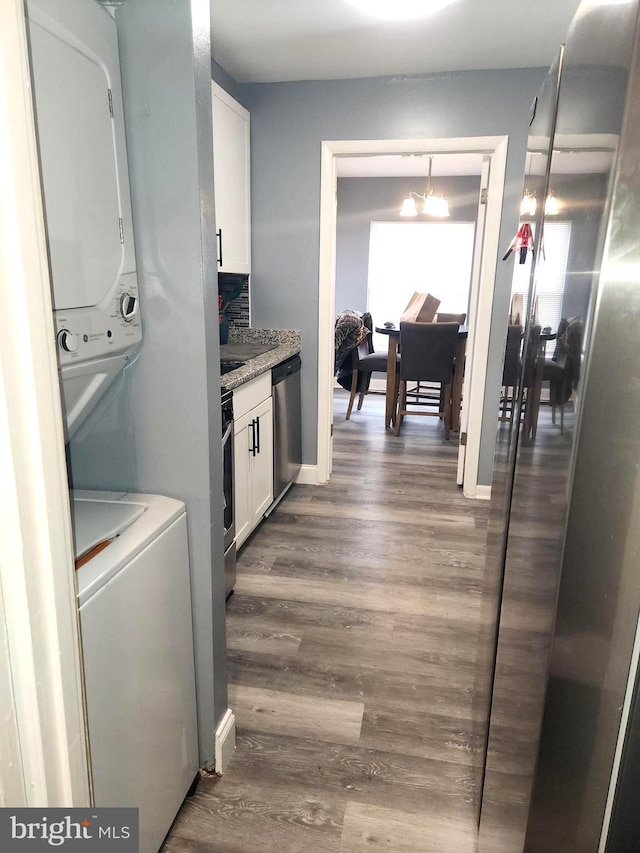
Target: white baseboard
pixel 225 741
pixel 483 493
pixel 308 475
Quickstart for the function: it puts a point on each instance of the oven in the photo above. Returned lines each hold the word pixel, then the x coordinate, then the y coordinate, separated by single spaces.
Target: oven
pixel 227 482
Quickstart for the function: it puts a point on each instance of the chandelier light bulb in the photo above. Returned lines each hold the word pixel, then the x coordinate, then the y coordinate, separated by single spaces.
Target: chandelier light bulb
pixel 552 205
pixel 436 205
pixel 528 205
pixel 409 207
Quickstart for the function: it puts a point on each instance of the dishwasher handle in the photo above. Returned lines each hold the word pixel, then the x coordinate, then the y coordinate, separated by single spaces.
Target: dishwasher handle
pixel 286 369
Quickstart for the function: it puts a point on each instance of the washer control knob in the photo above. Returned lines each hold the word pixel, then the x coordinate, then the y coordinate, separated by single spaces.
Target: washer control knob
pixel 128 307
pixel 68 341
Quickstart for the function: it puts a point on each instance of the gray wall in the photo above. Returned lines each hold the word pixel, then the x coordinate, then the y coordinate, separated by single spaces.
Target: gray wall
pixel 225 80
pixel 159 430
pixel 288 123
pixel 361 200
pixel 586 199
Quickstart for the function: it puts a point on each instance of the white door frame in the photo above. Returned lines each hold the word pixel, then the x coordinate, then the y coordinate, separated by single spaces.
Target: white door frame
pixel 472 316
pixel 41 701
pixel 478 344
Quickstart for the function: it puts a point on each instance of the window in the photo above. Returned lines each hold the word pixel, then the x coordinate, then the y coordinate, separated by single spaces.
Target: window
pixel 429 257
pixel 552 268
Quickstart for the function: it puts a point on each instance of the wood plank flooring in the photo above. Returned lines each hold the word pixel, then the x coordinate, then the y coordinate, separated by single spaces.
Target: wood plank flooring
pixel 352 640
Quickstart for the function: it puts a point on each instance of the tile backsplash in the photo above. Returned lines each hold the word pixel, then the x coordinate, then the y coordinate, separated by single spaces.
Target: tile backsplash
pixel 238 310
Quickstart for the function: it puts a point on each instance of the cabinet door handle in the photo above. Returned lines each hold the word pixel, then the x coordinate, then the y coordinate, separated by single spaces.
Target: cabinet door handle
pixel 219 236
pixel 258 433
pixel 252 449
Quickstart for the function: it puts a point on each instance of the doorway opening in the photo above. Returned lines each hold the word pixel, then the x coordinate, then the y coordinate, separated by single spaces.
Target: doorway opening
pixel 492 154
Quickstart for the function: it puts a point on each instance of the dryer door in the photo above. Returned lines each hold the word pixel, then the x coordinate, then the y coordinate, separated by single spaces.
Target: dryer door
pixel 79 170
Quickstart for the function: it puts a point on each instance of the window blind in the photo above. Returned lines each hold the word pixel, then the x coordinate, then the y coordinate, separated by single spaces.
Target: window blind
pixel 429 257
pixel 551 273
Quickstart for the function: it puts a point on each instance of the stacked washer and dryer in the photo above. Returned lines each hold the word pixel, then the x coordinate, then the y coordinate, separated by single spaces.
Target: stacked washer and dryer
pixel 131 549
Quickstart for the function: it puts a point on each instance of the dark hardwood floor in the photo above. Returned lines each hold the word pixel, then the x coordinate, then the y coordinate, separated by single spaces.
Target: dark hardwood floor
pixel 352 648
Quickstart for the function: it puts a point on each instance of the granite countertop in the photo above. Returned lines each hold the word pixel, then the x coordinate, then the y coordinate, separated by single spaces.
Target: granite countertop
pixel 242 346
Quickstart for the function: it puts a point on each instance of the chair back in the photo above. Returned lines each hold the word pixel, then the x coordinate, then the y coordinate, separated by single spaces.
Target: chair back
pixel 428 351
pixel 364 348
pixel 512 356
pixel 451 318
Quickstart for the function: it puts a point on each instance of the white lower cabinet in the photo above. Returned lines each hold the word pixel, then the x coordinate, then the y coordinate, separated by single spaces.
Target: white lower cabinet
pixel 253 454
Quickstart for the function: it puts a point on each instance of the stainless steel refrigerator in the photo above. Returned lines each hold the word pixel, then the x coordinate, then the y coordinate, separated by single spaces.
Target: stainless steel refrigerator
pixel 561 599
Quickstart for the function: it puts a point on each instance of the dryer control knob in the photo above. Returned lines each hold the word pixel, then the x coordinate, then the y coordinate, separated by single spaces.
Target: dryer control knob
pixel 128 307
pixel 68 341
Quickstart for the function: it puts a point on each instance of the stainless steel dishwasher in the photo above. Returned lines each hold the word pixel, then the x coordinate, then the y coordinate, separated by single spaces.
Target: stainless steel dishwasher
pixel 287 421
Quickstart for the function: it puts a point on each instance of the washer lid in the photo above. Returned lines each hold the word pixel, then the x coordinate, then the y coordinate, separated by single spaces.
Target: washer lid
pixel 96 520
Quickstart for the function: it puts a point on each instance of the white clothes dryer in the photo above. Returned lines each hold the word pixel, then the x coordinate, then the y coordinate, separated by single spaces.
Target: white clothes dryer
pixel 137 639
pixel 83 158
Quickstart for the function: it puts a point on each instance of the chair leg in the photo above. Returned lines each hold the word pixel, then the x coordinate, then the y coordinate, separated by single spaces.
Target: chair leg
pixel 396 393
pixel 354 388
pixel 561 418
pixel 447 410
pixel 365 387
pixel 402 402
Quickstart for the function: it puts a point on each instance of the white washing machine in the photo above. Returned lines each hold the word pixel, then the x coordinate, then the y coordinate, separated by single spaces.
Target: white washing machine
pixel 135 616
pixel 81 136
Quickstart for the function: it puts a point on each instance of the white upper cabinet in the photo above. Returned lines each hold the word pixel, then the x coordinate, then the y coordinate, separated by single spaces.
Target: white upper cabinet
pixel 232 178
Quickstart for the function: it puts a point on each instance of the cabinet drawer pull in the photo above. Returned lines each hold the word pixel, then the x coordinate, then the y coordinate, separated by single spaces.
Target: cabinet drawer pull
pixel 253 448
pixel 258 434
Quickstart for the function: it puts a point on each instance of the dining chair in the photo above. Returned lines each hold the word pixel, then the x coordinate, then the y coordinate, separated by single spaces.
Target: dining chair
pixel 427 355
pixel 429 390
pixel 364 362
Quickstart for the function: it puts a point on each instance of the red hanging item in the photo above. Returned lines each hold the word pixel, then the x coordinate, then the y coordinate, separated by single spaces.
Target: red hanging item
pixel 522 242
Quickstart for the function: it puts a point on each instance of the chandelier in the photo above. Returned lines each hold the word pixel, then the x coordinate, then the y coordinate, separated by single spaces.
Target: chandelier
pixel 434 205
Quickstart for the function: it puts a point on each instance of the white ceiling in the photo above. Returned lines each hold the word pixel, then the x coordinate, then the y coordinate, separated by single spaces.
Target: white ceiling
pixel 279 40
pixel 592 160
pixel 401 166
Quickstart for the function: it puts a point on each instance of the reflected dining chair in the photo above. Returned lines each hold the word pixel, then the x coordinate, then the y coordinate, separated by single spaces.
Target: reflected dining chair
pixel 532 383
pixel 510 373
pixel 563 370
pixel 427 355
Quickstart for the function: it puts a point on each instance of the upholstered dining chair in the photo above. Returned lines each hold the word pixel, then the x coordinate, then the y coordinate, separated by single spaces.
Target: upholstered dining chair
pixel 364 362
pixel 430 390
pixel 427 355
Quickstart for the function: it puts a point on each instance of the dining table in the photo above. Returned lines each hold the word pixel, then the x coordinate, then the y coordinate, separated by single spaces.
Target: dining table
pixel 393 334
